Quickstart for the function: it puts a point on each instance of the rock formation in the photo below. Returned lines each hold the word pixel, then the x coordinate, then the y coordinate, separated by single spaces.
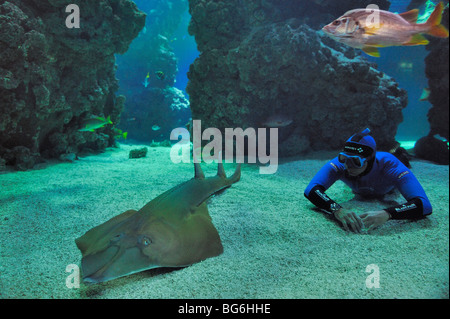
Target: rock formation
pixel 437 71
pixel 260 58
pixel 52 78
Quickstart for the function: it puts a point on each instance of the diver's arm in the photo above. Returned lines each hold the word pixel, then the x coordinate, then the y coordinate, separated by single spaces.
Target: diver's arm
pixel 348 218
pixel 412 209
pixel 317 196
pixel 315 192
pixel 417 205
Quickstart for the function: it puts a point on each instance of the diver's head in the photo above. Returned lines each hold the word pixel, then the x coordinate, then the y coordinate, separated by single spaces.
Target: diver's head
pixel 359 153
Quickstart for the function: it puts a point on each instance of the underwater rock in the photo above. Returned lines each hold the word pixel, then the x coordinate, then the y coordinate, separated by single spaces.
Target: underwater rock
pixel 2 164
pixel 138 153
pixel 432 149
pixel 52 78
pixel 252 70
pixel 24 158
pixel 437 71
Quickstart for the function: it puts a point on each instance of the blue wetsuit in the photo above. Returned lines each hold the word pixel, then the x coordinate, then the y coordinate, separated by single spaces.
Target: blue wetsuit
pixel 386 174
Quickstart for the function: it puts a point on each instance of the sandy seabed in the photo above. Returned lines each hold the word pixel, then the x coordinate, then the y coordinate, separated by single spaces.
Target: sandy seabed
pixel 275 244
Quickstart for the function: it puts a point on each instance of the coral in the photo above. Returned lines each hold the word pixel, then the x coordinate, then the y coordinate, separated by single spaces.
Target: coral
pixel 52 77
pixel 251 69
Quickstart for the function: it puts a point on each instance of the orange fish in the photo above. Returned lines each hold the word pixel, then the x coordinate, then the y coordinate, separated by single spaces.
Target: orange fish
pixel 369 29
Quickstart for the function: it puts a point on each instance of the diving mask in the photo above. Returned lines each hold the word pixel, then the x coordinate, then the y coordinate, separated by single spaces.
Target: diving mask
pixel 352 161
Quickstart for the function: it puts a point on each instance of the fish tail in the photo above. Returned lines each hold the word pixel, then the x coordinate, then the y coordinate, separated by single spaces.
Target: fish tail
pixel 434 23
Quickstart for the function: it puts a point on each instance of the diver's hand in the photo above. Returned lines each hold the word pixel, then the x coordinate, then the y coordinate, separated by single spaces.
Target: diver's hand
pixel 349 220
pixel 374 219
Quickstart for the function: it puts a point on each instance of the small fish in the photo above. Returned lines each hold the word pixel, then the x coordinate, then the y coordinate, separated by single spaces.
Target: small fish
pixel 425 94
pixel 406 66
pixel 90 125
pixel 119 134
pixel 155 128
pixel 160 75
pixel 369 29
pixel 441 138
pixel 146 81
pixel 277 120
pixel 396 145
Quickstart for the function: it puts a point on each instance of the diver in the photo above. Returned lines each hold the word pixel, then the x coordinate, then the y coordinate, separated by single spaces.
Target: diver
pixel 369 174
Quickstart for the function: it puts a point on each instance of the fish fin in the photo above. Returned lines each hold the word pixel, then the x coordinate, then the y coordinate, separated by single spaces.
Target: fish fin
pixel 220 169
pixel 439 31
pixel 366 32
pixel 109 120
pixel 425 95
pixel 198 169
pixel 236 175
pixel 373 30
pixel 410 16
pixel 372 51
pixel 434 22
pixel 417 39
